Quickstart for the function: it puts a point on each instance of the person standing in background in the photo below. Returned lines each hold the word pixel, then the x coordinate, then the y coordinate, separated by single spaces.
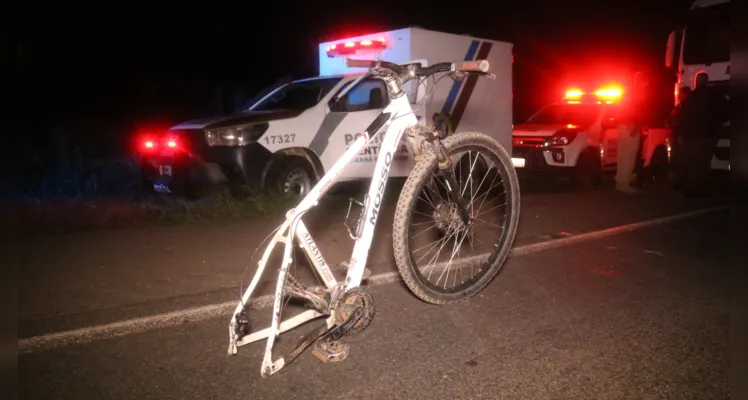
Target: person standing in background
pixel 702 114
pixel 632 118
pixel 675 126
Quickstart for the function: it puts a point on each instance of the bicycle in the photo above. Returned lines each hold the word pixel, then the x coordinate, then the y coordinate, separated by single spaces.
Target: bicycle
pixel 347 306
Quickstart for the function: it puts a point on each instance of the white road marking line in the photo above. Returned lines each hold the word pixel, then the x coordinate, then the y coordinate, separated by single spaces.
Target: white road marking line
pixel 142 324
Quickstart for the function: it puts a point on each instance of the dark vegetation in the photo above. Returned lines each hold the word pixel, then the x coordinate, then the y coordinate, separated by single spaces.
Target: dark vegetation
pixel 84 173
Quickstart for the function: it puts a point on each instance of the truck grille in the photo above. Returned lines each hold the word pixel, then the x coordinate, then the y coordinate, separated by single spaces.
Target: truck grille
pixel 527 141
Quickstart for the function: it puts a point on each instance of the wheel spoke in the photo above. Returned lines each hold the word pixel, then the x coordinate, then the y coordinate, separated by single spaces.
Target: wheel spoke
pixel 436 226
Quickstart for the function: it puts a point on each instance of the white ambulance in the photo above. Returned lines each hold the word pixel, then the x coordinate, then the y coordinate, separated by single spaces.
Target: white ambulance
pixel 578 137
pixel 290 137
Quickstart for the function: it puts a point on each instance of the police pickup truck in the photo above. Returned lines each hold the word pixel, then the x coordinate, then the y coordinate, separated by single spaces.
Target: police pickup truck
pixel 578 137
pixel 290 137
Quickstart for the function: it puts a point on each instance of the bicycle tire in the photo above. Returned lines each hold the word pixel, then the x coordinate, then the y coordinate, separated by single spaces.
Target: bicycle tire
pixel 407 200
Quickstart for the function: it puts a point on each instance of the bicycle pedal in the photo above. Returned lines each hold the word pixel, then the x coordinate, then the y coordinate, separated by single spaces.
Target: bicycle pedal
pixel 344 265
pixel 333 351
pixel 242 324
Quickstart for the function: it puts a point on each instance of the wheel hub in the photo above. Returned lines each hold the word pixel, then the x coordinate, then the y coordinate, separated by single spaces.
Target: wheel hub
pixel 447 217
pixel 297 182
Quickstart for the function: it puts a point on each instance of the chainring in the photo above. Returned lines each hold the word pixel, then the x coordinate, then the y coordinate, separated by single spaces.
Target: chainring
pixel 352 299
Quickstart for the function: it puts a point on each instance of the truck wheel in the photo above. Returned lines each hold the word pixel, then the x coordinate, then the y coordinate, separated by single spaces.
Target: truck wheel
pixel 589 170
pixel 295 177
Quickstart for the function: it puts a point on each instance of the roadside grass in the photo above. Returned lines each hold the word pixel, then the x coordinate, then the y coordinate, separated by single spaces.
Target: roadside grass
pixel 83 176
pixel 98 212
pixel 71 192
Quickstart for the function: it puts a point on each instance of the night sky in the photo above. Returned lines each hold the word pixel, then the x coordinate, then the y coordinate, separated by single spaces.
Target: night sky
pixel 124 64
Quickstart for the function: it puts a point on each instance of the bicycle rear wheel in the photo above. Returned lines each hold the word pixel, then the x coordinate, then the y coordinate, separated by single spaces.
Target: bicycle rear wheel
pixel 488 181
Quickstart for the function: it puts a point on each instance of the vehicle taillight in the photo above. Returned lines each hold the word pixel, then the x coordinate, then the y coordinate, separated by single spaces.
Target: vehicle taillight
pixel 165 142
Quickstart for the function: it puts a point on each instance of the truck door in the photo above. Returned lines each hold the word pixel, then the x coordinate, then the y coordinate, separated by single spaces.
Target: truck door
pixel 609 136
pixel 361 105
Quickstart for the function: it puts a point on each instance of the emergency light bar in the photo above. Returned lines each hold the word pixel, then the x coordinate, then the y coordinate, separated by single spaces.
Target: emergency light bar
pixel 606 94
pixel 609 94
pixel 348 48
pixel 573 95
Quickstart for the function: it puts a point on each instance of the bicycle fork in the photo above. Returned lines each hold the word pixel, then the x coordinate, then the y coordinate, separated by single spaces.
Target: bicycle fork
pixel 431 136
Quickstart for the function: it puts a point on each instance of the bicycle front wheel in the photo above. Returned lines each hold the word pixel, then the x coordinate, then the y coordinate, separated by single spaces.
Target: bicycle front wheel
pixel 430 238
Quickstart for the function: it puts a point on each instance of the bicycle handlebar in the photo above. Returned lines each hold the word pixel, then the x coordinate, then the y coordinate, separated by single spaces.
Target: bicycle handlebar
pixel 478 66
pixel 472 66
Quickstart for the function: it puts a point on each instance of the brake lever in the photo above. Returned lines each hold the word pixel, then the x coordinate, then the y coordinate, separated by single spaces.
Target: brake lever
pixel 461 75
pixel 457 76
pixel 489 75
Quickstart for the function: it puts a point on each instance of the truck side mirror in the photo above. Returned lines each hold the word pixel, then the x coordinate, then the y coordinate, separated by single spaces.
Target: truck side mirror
pixel 670 50
pixel 335 105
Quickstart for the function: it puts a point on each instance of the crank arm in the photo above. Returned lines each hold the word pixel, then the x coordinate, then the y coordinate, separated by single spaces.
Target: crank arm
pixel 324 333
pixel 305 341
pixel 340 330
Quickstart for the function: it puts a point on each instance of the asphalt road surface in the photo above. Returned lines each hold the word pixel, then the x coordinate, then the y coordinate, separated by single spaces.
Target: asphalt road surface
pixel 638 315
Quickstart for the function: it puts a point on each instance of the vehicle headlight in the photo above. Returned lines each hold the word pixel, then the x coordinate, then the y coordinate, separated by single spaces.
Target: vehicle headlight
pixel 560 139
pixel 240 135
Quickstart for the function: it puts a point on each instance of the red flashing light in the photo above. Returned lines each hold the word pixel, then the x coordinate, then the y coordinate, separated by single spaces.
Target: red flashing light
pixel 349 48
pixel 609 94
pixel 150 144
pixel 606 94
pixel 573 94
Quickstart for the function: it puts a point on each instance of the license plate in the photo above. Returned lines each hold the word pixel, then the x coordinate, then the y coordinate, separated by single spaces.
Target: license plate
pixel 161 188
pixel 165 170
pixel 518 162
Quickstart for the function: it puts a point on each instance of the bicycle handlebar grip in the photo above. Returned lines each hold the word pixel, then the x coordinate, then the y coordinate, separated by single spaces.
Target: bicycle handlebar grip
pixel 475 66
pixel 359 63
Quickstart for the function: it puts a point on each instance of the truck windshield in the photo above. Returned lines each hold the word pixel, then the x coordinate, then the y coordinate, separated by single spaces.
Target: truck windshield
pixel 707 38
pixel 298 95
pixel 576 114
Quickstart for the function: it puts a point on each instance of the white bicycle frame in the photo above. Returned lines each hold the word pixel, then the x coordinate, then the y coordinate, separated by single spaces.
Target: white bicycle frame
pixel 394 120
